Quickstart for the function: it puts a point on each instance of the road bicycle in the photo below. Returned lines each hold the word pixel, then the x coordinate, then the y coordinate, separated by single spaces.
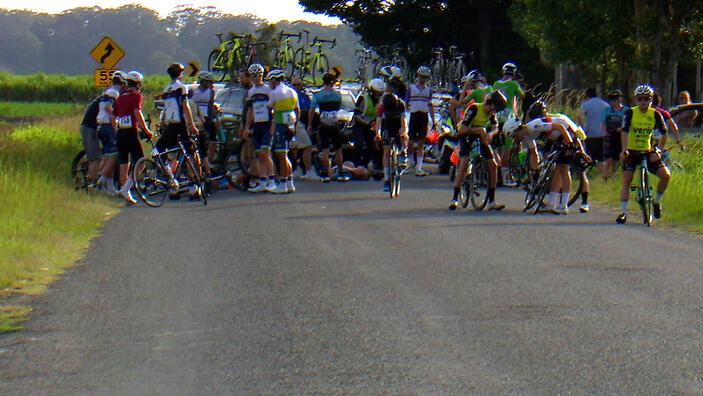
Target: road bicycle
pixel 390 56
pixel 364 57
pixel 225 59
pixel 644 192
pixel 518 164
pixel 284 55
pixel 457 67
pixel 539 186
pixel 578 168
pixel 396 168
pixel 439 66
pixel 314 64
pixel 474 187
pixel 154 175
pixel 79 173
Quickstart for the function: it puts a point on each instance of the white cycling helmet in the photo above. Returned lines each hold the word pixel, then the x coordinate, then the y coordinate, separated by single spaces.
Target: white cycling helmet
pixel 511 125
pixel 120 76
pixel 423 71
pixel 377 85
pixel 135 76
pixel 644 90
pixel 276 73
pixel 390 71
pixel 256 69
pixel 509 68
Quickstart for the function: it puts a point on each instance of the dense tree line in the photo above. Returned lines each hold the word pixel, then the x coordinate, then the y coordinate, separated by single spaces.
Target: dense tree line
pixel 612 43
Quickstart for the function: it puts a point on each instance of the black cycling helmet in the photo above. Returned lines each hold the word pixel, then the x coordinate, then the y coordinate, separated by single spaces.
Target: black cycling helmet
pixel 537 109
pixel 175 69
pixel 614 94
pixel 329 79
pixel 498 100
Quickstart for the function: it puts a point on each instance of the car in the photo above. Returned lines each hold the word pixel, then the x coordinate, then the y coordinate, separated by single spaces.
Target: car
pixel 229 100
pixel 689 118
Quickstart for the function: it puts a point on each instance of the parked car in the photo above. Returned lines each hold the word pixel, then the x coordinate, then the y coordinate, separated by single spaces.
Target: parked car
pixel 693 114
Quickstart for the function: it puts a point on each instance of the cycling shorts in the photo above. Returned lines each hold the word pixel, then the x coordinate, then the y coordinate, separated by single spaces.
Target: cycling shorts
pixel 330 137
pixel 262 136
pixel 108 139
pixel 466 143
pixel 417 125
pixel 654 162
pixel 129 148
pixel 281 138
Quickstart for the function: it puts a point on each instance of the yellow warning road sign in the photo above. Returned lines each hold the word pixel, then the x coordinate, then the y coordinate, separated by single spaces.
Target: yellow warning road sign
pixel 107 53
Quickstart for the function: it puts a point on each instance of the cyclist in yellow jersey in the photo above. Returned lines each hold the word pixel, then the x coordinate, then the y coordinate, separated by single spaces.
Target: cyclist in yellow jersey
pixel 637 130
pixel 478 119
pixel 283 101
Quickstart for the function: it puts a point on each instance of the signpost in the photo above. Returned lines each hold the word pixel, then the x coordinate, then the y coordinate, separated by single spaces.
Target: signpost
pixel 193 68
pixel 107 53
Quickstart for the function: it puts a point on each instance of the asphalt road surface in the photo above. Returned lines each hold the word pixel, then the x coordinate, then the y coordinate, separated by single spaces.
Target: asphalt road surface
pixel 337 289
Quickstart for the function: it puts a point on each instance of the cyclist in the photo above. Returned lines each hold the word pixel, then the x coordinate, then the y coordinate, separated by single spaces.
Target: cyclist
pixel 611 124
pixel 176 118
pixel 479 91
pixel 106 131
pixel 513 92
pixel 283 101
pixel 479 118
pixel 364 132
pixel 303 140
pixel 328 101
pixel 257 126
pixel 91 143
pixel 245 81
pixel 393 73
pixel 637 129
pixel 554 129
pixel 129 117
pixel 390 124
pixel 419 100
pixel 204 97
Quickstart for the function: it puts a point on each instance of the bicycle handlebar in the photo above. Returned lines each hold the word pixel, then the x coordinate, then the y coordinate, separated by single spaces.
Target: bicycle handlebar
pixel 299 35
pixel 321 40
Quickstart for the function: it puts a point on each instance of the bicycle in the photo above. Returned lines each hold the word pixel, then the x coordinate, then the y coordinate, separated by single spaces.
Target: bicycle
pixel 284 56
pixel 438 67
pixel 390 57
pixel 457 67
pixel 644 192
pixel 540 187
pixel 396 168
pixel 225 59
pixel 578 168
pixel 474 187
pixel 249 55
pixel 154 182
pixel 363 58
pixel 314 64
pixel 79 172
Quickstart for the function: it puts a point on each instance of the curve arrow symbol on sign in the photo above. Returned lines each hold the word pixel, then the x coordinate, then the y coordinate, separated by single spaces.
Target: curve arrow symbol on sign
pixel 108 50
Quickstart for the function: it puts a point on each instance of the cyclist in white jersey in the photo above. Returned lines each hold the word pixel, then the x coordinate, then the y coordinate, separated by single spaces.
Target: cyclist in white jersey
pixel 419 100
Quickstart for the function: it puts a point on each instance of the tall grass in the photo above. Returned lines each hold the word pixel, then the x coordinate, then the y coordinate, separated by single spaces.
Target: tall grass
pixel 46 224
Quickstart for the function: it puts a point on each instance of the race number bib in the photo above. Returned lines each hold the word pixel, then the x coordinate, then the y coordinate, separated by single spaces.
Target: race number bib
pixel 261 111
pixel 328 117
pixel 124 122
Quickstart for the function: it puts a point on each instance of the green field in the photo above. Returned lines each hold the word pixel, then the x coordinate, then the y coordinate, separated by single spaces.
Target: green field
pixel 47 225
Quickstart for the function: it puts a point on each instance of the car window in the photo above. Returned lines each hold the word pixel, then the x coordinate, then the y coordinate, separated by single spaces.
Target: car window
pixel 230 100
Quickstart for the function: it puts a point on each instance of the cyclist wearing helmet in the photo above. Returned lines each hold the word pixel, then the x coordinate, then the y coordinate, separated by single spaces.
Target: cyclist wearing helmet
pixel 204 97
pixel 257 127
pixel 478 120
pixel 419 100
pixel 327 102
pixel 611 124
pixel 129 117
pixel 283 100
pixel 513 92
pixel 394 75
pixel 637 130
pixel 364 133
pixel 106 130
pixel 390 124
pixel 554 129
pixel 479 90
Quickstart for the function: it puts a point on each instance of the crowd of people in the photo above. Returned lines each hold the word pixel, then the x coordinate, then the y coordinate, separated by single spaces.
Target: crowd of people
pixel 282 121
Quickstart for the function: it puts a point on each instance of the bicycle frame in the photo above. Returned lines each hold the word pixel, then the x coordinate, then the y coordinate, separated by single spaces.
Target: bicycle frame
pixel 644 193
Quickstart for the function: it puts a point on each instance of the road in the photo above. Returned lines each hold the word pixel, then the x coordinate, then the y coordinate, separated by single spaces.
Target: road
pixel 337 289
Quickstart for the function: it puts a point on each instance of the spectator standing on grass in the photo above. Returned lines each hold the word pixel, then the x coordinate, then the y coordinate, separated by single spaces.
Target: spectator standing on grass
pixel 589 117
pixel 91 144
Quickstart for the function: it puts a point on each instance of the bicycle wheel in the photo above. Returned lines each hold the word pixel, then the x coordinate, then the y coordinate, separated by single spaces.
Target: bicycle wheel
pixel 320 67
pixel 645 198
pixel 479 185
pixel 402 64
pixel 299 63
pixel 196 181
pixel 150 181
pixel 215 64
pixel 79 171
pixel 576 185
pixel 545 179
pixel 393 177
pixel 465 190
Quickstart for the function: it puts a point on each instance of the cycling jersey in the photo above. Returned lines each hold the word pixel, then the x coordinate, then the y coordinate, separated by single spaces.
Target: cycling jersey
pixel 365 111
pixel 284 101
pixel 258 98
pixel 613 119
pixel 478 95
pixel 173 97
pixel 476 117
pixel 125 106
pixel 203 98
pixel 510 88
pixel 640 125
pixel 418 99
pixel 328 102
pixel 108 97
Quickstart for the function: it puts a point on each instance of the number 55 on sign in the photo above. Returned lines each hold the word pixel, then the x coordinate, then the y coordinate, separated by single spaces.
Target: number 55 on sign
pixel 103 77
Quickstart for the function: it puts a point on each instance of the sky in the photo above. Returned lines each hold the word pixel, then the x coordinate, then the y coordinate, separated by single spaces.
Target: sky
pixel 271 10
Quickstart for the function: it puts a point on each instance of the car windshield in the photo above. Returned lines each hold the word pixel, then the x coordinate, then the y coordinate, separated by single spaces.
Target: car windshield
pixel 230 100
